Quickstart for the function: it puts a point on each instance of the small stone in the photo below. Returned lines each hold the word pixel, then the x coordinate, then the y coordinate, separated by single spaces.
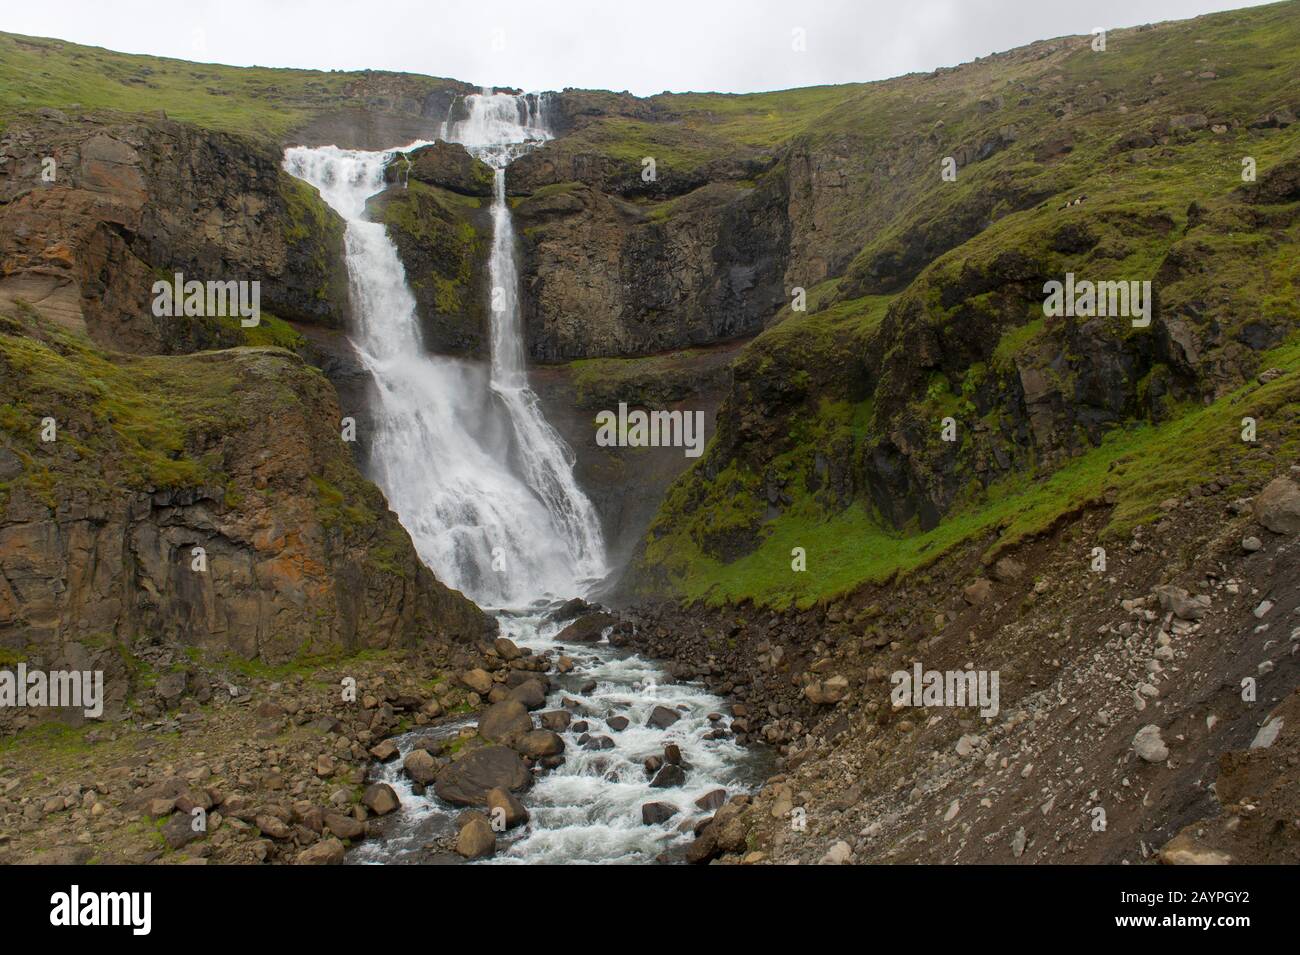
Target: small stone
pixel 325 852
pixel 1268 734
pixel 838 854
pixel 1148 745
pixel 1018 842
pixel 978 592
pixel 1184 850
pixel 476 839
pixel 380 799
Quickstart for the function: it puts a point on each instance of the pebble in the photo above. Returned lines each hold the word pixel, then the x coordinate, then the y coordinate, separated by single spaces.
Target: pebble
pixel 1148 745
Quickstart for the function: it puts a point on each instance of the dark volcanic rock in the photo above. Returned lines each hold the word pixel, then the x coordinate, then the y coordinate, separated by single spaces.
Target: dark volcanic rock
pixel 468 780
pixel 655 813
pixel 587 629
pixel 442 164
pixel 661 717
pixel 505 722
pixel 668 777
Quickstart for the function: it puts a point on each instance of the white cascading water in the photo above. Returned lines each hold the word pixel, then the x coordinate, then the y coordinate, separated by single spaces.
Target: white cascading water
pixel 485 487
pixel 444 437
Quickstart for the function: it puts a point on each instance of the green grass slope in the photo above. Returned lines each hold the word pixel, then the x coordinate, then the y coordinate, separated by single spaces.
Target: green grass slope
pixel 37 72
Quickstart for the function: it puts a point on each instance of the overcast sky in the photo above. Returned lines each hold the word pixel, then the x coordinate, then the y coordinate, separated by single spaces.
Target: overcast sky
pixel 645 46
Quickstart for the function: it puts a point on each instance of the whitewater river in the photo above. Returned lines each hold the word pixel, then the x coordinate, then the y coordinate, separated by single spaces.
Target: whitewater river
pixel 485 487
pixel 589 808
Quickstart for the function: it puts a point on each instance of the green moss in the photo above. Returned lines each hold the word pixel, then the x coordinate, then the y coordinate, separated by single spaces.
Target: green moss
pixel 145 415
pixel 439 242
pixel 268 332
pixel 335 510
pixel 58 741
pixel 1014 342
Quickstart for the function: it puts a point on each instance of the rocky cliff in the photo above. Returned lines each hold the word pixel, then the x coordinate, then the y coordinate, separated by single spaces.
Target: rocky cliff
pixel 95 209
pixel 205 499
pixel 171 433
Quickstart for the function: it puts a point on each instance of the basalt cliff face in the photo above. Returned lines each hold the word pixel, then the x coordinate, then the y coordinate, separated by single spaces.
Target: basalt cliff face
pixel 922 380
pixel 193 485
pixel 251 533
pixel 94 210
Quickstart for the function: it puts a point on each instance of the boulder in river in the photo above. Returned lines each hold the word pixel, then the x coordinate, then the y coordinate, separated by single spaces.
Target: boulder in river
pixel 655 813
pixel 505 809
pixel 569 610
pixel 712 800
pixel 420 766
pixel 668 777
pixel 530 693
pixel 385 750
pixel 505 722
pixel 380 799
pixel 661 717
pixel 468 780
pixel 587 629
pixel 539 744
pixel 507 649
pixel 556 720
pixel 476 839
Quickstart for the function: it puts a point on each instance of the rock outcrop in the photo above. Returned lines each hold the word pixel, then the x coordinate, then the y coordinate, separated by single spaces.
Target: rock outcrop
pixel 206 499
pixel 435 209
pixel 95 210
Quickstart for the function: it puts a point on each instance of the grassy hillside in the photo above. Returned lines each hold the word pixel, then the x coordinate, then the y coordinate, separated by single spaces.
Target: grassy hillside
pixel 834 415
pixel 37 72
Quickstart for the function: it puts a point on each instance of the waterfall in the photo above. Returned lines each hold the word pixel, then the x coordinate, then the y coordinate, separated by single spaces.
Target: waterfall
pixel 475 473
pixel 481 481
